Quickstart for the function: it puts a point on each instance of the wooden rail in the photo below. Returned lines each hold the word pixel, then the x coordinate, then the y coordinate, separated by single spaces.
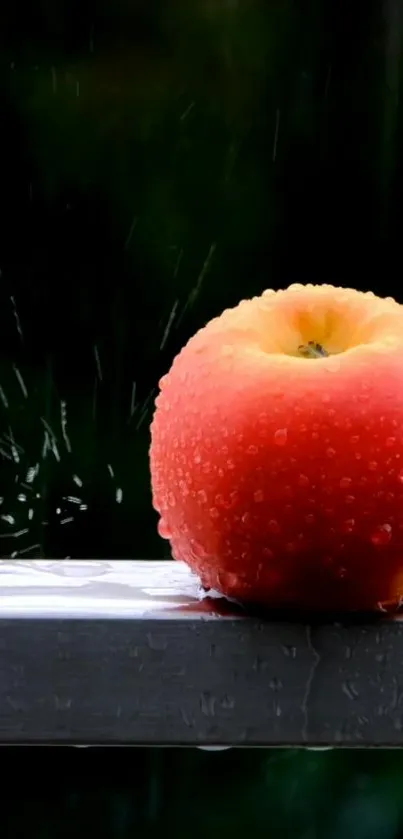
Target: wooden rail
pixel 104 652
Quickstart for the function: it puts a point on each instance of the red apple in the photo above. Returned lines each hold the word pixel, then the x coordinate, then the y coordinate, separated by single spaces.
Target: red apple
pixel 277 450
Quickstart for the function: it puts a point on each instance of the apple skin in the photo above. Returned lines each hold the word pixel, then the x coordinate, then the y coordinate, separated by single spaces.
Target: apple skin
pixel 278 478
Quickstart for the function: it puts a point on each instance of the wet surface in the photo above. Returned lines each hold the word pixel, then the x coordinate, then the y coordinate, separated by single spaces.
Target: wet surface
pixel 108 589
pixel 134 589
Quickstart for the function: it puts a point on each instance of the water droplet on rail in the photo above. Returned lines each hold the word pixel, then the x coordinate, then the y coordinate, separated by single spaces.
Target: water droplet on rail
pixel 280 437
pixel 349 690
pixel 381 535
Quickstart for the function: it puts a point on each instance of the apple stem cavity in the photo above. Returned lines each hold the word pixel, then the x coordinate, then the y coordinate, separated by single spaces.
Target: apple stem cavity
pixel 312 350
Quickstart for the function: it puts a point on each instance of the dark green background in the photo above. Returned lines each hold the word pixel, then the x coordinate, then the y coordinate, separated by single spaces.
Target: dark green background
pixel 160 160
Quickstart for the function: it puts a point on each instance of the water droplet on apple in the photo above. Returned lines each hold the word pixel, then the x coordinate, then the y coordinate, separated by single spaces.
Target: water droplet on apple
pixel 390 441
pixel 280 437
pixel 202 496
pixel 274 526
pixel 332 364
pixel 252 449
pixel 197 457
pixel 325 398
pixel 198 550
pixel 349 499
pixel 214 513
pixel 354 439
pixel 171 499
pixel 381 535
pixel 372 465
pixel 348 526
pixel 400 476
pixel 303 481
pixel 291 547
pixel 246 518
pixel 345 483
pixel 227 581
pixel 164 530
pixel 267 553
pixel 310 518
pixel 206 468
pixel 341 573
pixel 258 496
pixel 230 464
pixel 330 452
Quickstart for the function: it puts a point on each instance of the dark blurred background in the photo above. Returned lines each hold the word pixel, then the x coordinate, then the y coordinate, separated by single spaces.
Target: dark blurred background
pixel 160 160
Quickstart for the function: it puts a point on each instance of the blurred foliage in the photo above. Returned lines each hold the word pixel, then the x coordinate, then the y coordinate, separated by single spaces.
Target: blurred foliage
pixel 160 161
pixel 279 793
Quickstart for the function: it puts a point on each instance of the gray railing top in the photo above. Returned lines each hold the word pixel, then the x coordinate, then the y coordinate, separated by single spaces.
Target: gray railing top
pixel 98 652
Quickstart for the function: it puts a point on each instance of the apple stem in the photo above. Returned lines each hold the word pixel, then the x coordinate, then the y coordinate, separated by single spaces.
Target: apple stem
pixel 312 350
